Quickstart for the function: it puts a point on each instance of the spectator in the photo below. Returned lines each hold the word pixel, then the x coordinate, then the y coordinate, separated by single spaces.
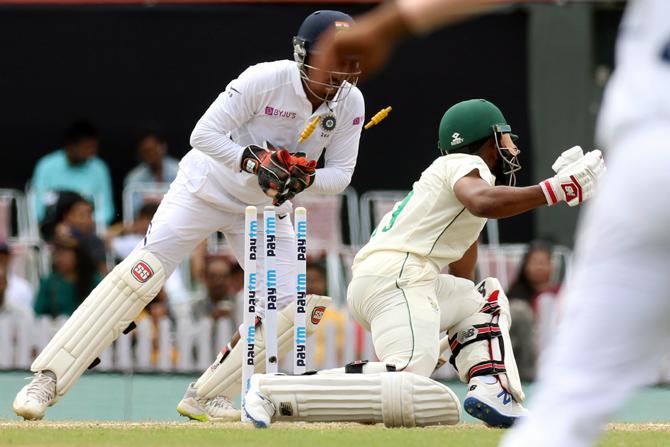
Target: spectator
pixel 18 290
pixel 217 302
pixel 73 217
pixel 9 305
pixel 334 320
pixel 73 277
pixel 317 281
pixel 123 240
pixel 74 168
pixel 535 274
pixel 533 280
pixel 155 165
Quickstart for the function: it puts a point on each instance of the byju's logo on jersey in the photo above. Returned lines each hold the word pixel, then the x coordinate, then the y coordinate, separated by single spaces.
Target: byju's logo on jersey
pixel 142 272
pixel 271 111
pixel 456 139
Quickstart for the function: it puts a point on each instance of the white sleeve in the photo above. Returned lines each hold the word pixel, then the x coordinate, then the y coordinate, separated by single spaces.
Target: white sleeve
pixel 456 171
pixel 341 153
pixel 235 106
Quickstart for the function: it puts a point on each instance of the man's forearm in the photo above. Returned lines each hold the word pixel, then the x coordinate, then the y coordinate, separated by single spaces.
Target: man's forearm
pixel 422 16
pixel 506 201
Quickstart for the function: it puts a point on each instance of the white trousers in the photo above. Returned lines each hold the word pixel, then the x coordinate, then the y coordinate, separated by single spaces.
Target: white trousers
pixel 183 220
pixel 407 307
pixel 617 304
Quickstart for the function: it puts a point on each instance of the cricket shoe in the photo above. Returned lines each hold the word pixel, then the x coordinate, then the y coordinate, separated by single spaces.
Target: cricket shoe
pixel 491 403
pixel 216 409
pixel 258 408
pixel 33 400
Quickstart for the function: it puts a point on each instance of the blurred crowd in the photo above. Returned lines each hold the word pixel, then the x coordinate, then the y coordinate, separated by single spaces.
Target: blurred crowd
pixel 72 198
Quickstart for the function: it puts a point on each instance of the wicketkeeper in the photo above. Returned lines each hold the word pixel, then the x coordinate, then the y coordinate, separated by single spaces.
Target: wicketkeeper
pixel 245 152
pixel 400 294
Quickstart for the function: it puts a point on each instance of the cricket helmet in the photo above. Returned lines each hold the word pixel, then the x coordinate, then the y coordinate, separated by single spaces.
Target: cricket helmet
pixel 473 121
pixel 305 41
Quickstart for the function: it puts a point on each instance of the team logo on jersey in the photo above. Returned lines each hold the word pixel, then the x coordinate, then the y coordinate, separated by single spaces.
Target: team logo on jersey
pixel 358 120
pixel 142 272
pixel 328 123
pixel 317 314
pixel 456 139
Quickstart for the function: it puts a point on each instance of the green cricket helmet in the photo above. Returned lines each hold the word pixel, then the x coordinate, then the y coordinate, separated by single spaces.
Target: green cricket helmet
pixel 468 124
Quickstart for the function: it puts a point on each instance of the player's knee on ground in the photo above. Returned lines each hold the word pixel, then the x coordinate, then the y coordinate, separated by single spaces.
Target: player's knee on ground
pixel 414 349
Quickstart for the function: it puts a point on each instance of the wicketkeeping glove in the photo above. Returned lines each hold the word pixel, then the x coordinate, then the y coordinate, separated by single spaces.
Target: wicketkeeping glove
pixel 302 173
pixel 271 167
pixel 574 182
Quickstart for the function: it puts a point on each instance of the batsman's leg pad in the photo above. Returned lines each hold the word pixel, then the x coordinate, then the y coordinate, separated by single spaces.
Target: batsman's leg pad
pixel 361 367
pixel 481 345
pixel 101 318
pixel 224 376
pixel 397 399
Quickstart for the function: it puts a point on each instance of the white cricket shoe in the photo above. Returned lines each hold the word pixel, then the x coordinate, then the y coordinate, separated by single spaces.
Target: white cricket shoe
pixel 33 400
pixel 258 408
pixel 216 409
pixel 492 404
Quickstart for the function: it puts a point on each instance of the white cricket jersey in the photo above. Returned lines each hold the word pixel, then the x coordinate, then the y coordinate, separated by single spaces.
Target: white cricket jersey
pixel 638 94
pixel 431 222
pixel 267 103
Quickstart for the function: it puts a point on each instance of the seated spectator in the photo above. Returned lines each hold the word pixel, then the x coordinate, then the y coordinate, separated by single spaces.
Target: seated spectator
pixel 535 274
pixel 155 165
pixel 124 240
pixel 533 279
pixel 9 305
pixel 217 301
pixel 73 277
pixel 19 291
pixel 74 168
pixel 335 318
pixel 317 281
pixel 73 217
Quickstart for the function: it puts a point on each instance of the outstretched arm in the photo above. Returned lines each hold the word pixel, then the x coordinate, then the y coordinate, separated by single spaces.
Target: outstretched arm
pixel 576 180
pixel 495 202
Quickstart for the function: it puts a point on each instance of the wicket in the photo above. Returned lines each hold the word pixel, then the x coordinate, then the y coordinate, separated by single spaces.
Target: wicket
pixel 251 234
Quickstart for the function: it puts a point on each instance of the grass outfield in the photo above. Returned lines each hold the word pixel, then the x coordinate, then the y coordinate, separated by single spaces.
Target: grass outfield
pixel 72 434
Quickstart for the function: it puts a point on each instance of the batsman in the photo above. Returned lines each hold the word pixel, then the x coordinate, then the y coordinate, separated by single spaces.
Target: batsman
pixel 399 293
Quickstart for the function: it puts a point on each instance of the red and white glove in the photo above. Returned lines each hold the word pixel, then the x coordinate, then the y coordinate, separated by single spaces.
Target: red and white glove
pixel 271 166
pixel 575 181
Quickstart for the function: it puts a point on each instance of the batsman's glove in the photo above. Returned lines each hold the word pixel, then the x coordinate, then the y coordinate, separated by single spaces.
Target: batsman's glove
pixel 270 166
pixel 577 177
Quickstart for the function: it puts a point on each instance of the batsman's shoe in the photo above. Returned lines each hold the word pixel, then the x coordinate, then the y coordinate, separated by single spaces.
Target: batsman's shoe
pixel 33 400
pixel 492 404
pixel 256 406
pixel 216 409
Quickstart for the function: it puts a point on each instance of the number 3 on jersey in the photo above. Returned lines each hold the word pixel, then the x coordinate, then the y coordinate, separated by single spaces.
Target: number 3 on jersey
pixel 396 212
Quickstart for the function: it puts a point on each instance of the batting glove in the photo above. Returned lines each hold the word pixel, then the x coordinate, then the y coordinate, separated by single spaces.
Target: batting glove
pixel 575 182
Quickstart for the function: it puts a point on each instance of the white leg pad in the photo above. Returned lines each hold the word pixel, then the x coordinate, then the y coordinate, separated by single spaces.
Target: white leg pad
pixel 224 377
pixel 101 318
pixel 481 342
pixel 396 399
